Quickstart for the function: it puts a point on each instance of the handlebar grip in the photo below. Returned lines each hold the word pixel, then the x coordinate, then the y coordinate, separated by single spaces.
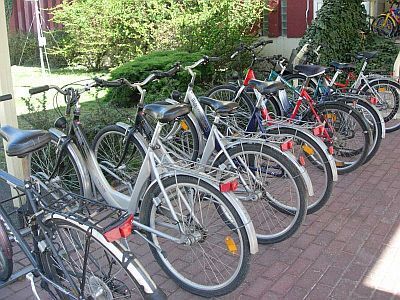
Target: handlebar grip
pixel 5 97
pixel 39 89
pixel 234 54
pixel 106 83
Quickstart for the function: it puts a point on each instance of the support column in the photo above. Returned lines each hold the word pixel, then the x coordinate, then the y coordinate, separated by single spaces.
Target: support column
pixel 8 114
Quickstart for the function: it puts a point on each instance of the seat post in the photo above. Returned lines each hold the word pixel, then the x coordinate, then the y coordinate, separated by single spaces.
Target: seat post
pixel 26 166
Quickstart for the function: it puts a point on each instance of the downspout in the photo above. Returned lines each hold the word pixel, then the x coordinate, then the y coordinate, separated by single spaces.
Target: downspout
pixel 307 12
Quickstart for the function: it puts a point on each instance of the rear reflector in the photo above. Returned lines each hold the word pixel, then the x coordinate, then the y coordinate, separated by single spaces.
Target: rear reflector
pixel 318 131
pixel 302 161
pixel 288 145
pixel 374 101
pixel 230 186
pixel 331 150
pixel 121 231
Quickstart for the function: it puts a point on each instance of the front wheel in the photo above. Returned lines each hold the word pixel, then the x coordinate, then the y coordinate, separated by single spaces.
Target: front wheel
pixel 6 254
pixel 384 26
pixel 212 256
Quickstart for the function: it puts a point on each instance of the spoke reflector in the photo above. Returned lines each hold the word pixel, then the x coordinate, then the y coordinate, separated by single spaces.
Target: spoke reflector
pixel 231 245
pixel 302 161
pixel 184 126
pixel 339 164
pixel 308 150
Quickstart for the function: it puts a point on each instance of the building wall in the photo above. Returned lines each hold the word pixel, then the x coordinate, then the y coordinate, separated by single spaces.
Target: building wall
pixel 22 18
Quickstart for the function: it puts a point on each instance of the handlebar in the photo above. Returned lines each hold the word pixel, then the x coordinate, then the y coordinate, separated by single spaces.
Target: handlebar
pixel 204 60
pixel 5 97
pixel 243 47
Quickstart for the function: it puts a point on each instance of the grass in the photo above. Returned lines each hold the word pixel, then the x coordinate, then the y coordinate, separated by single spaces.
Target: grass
pixel 95 113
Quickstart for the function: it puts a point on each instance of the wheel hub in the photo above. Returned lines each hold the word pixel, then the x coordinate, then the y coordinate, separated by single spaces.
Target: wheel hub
pixel 98 289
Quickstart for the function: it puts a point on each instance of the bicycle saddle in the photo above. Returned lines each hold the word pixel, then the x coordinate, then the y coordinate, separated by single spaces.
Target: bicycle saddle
pixel 165 113
pixel 22 142
pixel 367 55
pixel 220 107
pixel 310 70
pixel 343 66
pixel 267 87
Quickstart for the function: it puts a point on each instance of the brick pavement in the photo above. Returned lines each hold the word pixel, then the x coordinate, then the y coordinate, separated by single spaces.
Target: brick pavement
pixel 348 250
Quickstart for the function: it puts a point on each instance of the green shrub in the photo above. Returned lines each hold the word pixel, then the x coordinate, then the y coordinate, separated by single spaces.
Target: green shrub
pixel 388 51
pixel 138 69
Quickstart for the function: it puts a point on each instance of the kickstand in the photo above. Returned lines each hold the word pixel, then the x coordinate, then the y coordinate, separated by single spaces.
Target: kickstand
pixel 29 276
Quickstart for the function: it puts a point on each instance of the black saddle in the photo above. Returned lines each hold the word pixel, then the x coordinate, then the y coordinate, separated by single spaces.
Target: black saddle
pixel 343 66
pixel 267 87
pixel 165 113
pixel 220 107
pixel 22 142
pixel 367 55
pixel 310 70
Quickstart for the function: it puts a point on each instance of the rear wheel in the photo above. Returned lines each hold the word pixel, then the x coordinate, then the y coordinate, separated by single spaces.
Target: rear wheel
pixel 108 273
pixel 348 132
pixel 213 256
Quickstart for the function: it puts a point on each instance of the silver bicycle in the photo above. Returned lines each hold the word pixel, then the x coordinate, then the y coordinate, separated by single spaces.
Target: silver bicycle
pixel 197 230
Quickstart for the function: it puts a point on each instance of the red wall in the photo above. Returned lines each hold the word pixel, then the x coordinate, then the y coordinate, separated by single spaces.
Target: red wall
pixel 296 19
pixel 23 12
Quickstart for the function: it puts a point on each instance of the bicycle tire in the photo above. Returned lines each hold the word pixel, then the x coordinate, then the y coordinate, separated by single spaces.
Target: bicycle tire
pixel 6 254
pixel 122 177
pixel 319 161
pixel 375 124
pixel 395 91
pixel 41 170
pixel 344 167
pixel 297 209
pixel 167 259
pixel 100 276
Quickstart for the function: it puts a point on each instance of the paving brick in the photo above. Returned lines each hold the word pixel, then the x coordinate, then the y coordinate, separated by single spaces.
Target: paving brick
pixel 319 292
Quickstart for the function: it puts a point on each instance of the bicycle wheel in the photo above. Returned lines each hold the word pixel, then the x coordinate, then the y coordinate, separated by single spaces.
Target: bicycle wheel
pixel 348 131
pixel 384 26
pixel 277 200
pixel 67 175
pixel 6 254
pixel 373 120
pixel 315 160
pixel 213 258
pixel 109 146
pixel 387 93
pixel 111 273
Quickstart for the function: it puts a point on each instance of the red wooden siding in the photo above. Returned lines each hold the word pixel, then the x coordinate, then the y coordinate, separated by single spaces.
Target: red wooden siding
pixel 23 14
pixel 275 22
pixel 296 19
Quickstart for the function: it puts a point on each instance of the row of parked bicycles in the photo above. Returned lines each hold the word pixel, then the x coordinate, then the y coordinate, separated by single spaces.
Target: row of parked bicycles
pixel 203 180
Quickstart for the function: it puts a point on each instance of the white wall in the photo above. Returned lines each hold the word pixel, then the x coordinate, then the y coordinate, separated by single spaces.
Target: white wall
pixel 281 45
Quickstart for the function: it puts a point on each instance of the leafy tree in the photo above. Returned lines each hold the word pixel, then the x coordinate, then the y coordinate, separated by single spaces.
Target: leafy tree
pixel 338 28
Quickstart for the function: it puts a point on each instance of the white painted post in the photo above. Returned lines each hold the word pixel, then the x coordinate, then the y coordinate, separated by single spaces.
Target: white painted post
pixel 8 114
pixel 396 68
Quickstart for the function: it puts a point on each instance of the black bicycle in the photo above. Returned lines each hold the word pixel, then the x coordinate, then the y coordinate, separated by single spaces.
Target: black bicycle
pixel 76 245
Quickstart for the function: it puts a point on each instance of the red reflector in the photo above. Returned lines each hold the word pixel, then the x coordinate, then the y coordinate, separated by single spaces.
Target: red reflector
pixel 374 101
pixel 318 131
pixel 264 114
pixel 331 150
pixel 229 186
pixel 121 231
pixel 288 145
pixel 302 161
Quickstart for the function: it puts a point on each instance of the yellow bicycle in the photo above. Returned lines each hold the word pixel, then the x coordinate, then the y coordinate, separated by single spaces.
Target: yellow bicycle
pixel 387 24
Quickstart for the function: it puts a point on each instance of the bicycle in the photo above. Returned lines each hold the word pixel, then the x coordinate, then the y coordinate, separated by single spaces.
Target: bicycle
pixel 77 247
pixel 387 24
pixel 169 202
pixel 268 164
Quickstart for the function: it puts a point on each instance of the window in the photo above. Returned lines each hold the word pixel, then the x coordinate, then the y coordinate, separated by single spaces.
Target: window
pixel 284 17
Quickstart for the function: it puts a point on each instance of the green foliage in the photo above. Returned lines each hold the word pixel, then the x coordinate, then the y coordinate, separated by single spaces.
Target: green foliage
pixel 24 49
pixel 102 33
pixel 139 68
pixel 8 6
pixel 338 28
pixel 388 51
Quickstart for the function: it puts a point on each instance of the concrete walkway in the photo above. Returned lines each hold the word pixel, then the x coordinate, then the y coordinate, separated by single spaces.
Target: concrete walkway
pixel 348 250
